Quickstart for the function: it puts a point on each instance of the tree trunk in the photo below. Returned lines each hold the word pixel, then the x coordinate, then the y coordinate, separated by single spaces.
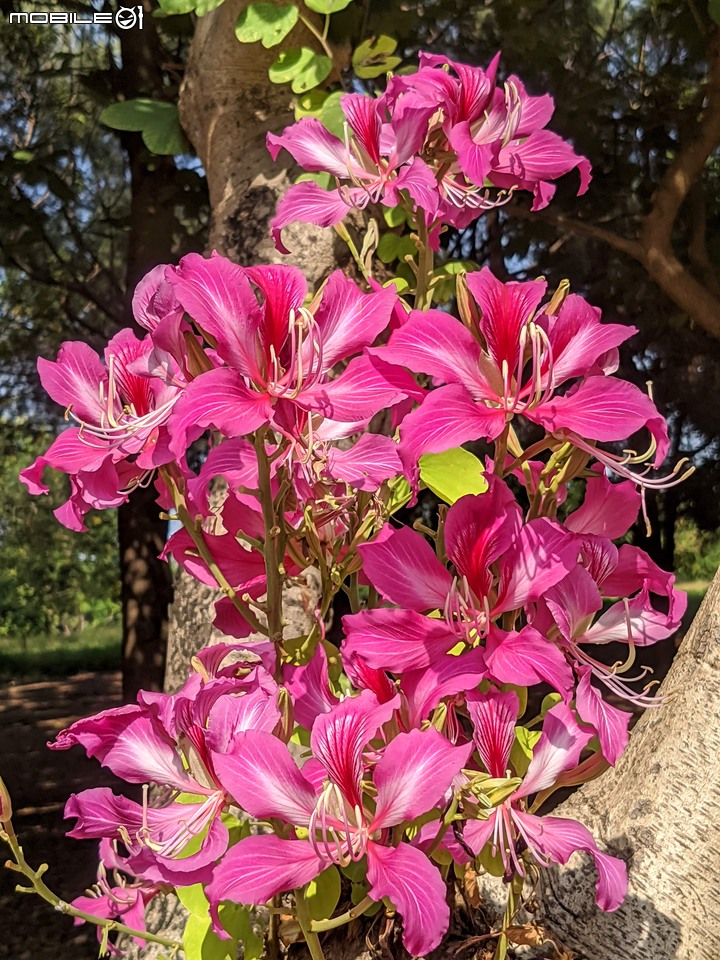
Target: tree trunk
pixel 227 105
pixel 146 585
pixel 659 809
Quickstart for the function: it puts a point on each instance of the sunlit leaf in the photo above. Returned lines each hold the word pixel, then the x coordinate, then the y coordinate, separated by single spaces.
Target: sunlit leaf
pixel 374 57
pixel 452 474
pixel 266 23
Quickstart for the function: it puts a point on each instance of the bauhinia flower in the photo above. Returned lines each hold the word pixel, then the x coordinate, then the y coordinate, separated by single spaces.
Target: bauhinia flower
pixel 276 357
pixel 447 137
pixel 326 802
pixel 512 363
pixel 510 830
pixel 500 565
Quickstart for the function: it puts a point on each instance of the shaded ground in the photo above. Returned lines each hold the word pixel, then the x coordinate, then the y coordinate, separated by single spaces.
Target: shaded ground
pixel 40 781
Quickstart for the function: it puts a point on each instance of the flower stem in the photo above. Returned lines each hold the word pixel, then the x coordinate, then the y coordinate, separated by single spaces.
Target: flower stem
pixel 305 923
pixel 423 292
pixel 7 833
pixel 320 37
pixel 352 914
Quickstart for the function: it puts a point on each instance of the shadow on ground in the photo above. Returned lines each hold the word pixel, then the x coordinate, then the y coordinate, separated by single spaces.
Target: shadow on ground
pixel 40 781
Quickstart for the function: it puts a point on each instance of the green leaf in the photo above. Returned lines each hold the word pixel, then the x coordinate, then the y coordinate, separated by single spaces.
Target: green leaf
pixel 322 179
pixel 23 156
pixel 205 6
pixel 332 116
pixel 327 7
pixel 452 474
pixel 522 749
pixel 394 216
pixel 714 10
pixel 400 493
pixel 373 57
pixel 395 246
pixel 310 104
pixel 550 701
pixel 157 120
pixel 323 893
pixel 201 943
pixel 303 69
pixel 265 22
pixel 194 900
pixel 171 7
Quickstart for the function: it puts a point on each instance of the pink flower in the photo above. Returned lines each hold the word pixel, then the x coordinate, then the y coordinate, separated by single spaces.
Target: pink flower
pixel 500 566
pixel 446 136
pixel 168 741
pixel 510 829
pixel 512 364
pixel 276 355
pixel 122 417
pixel 326 799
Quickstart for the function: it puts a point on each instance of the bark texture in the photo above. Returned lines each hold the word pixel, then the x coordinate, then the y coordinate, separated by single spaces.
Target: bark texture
pixel 660 810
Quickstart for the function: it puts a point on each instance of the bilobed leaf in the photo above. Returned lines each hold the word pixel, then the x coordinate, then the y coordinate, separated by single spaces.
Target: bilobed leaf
pixel 265 22
pixel 310 104
pixel 157 120
pixel 452 474
pixel 303 69
pixel 327 7
pixel 374 57
pixel 323 893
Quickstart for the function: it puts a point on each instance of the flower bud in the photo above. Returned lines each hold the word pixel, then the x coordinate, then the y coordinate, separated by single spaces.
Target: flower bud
pixel 5 804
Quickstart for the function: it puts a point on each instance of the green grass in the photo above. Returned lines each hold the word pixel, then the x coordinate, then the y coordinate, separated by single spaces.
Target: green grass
pixel 696 590
pixel 48 657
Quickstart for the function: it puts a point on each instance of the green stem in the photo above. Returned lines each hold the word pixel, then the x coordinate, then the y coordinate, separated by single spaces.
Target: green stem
pixel 423 293
pixel 447 820
pixel 344 235
pixel 305 923
pixel 7 833
pixel 357 911
pixel 320 37
pixel 194 529
pixel 272 532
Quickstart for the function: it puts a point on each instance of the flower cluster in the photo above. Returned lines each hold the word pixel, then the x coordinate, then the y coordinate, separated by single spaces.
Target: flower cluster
pixel 410 744
pixel 446 136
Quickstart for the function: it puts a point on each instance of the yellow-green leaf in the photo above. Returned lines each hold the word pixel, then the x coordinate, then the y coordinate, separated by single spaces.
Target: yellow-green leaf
pixel 452 474
pixel 322 894
pixel 265 22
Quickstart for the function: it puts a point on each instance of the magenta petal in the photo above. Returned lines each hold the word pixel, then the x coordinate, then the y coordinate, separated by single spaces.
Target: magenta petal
pixel 610 724
pixel 307 203
pixel 446 676
pixel 367 464
pixel 217 295
pixel 421 185
pixel 494 716
pixel 608 510
pixel 526 658
pixel 413 775
pixel 232 715
pixel 349 319
pixel 603 408
pixel 479 529
pixel 263 778
pixel 74 380
pixel 283 289
pixel 637 621
pixel 396 640
pixel 573 601
pixel 309 688
pixel 541 556
pixel 474 159
pixel 257 868
pixel 558 749
pixel 506 308
pixel 414 885
pixel 404 568
pixel 220 399
pixel 359 392
pixel 312 146
pixel 438 345
pixel 558 839
pixel 338 739
pixel 447 418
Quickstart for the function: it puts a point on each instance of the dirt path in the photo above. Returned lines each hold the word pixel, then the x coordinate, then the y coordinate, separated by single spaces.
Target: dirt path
pixel 40 781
